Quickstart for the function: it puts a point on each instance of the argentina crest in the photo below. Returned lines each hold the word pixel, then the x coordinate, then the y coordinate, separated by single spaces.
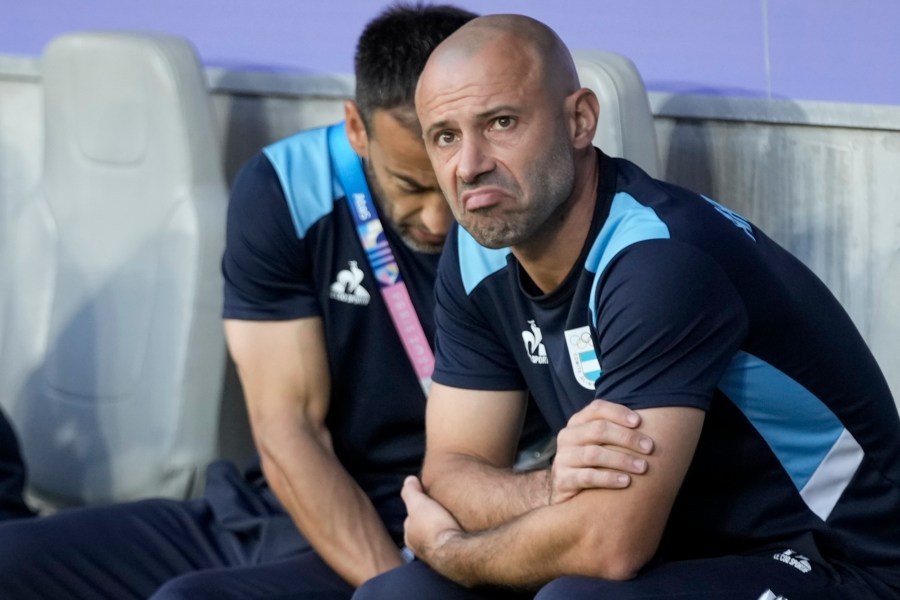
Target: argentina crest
pixel 582 356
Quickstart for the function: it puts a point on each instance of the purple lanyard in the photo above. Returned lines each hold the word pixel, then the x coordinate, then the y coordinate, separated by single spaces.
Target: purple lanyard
pixel 381 258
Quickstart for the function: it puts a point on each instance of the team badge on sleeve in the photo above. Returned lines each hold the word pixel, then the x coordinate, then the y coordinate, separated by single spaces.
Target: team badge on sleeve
pixel 585 365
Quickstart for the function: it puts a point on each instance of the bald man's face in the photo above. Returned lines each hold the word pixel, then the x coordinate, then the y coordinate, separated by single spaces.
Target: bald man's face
pixel 498 139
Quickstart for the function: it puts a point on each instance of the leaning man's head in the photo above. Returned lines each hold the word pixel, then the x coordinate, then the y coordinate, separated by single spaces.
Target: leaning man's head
pixel 382 125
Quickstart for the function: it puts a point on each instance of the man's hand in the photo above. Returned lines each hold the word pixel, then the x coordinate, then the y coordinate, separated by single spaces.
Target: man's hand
pixel 598 448
pixel 428 525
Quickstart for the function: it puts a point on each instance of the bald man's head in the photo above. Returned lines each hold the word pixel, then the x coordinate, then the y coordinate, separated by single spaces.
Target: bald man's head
pixel 506 125
pixel 510 36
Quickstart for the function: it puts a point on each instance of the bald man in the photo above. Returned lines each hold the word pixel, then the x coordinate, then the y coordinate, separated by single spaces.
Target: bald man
pixel 575 277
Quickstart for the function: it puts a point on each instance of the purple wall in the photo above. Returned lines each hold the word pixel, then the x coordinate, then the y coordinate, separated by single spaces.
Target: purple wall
pixel 828 50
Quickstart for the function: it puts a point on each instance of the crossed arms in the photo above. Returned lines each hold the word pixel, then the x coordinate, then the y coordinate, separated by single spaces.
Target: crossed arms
pixel 608 533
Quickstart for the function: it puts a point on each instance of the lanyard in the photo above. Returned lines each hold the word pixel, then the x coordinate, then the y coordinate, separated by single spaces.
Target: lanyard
pixel 387 272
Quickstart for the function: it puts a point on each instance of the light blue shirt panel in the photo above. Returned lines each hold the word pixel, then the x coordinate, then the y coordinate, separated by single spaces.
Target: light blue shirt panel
pixel 477 263
pixel 798 427
pixel 629 222
pixel 304 170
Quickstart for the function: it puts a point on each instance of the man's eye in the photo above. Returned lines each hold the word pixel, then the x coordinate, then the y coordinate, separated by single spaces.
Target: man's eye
pixel 504 122
pixel 413 190
pixel 444 138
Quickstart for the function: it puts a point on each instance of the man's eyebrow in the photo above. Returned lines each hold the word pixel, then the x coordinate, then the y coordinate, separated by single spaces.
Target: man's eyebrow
pixel 491 112
pixel 497 110
pixel 436 126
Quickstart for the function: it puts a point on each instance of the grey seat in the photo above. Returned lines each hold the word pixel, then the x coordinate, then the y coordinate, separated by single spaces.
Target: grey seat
pixel 626 127
pixel 113 350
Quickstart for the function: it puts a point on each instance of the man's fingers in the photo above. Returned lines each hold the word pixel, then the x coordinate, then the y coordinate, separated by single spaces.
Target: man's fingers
pixel 570 482
pixel 606 458
pixel 600 457
pixel 600 478
pixel 595 452
pixel 427 521
pixel 596 433
pixel 412 488
pixel 610 411
pixel 412 494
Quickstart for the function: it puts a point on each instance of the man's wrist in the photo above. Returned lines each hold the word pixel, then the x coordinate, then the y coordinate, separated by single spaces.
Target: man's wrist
pixel 448 557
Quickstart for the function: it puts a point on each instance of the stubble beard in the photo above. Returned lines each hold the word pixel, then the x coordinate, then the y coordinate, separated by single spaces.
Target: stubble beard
pixel 386 213
pixel 541 214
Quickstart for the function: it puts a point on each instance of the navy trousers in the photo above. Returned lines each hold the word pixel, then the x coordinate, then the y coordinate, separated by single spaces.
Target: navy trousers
pixel 235 542
pixel 727 578
pixel 12 474
pixel 755 577
pixel 418 580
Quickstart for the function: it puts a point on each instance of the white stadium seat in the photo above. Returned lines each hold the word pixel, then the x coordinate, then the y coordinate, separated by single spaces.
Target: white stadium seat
pixel 626 124
pixel 112 343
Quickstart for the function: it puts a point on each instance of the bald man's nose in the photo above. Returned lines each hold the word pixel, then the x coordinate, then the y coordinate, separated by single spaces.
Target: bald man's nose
pixel 473 160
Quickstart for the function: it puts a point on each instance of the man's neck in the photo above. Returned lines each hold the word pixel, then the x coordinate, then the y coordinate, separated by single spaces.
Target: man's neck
pixel 548 257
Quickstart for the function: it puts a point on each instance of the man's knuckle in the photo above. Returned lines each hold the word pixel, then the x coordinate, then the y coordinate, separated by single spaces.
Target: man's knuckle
pixel 593 454
pixel 583 477
pixel 599 428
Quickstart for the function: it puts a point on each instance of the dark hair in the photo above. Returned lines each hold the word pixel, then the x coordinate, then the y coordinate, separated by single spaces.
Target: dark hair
pixel 392 52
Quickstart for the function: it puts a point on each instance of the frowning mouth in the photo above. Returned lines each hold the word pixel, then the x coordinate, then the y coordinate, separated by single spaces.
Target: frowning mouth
pixel 482 198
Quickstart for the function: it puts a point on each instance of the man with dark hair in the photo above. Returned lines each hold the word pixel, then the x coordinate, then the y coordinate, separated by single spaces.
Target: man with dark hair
pixel 776 473
pixel 328 316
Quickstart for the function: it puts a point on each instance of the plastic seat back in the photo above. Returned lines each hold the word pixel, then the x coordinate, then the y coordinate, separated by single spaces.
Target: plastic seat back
pixel 114 313
pixel 626 127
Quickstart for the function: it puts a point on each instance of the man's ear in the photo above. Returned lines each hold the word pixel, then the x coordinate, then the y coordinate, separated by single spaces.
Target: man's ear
pixel 356 129
pixel 584 113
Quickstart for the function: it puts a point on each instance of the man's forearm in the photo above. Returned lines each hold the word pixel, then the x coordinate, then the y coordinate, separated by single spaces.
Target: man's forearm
pixel 329 507
pixel 481 496
pixel 571 538
pixel 606 533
